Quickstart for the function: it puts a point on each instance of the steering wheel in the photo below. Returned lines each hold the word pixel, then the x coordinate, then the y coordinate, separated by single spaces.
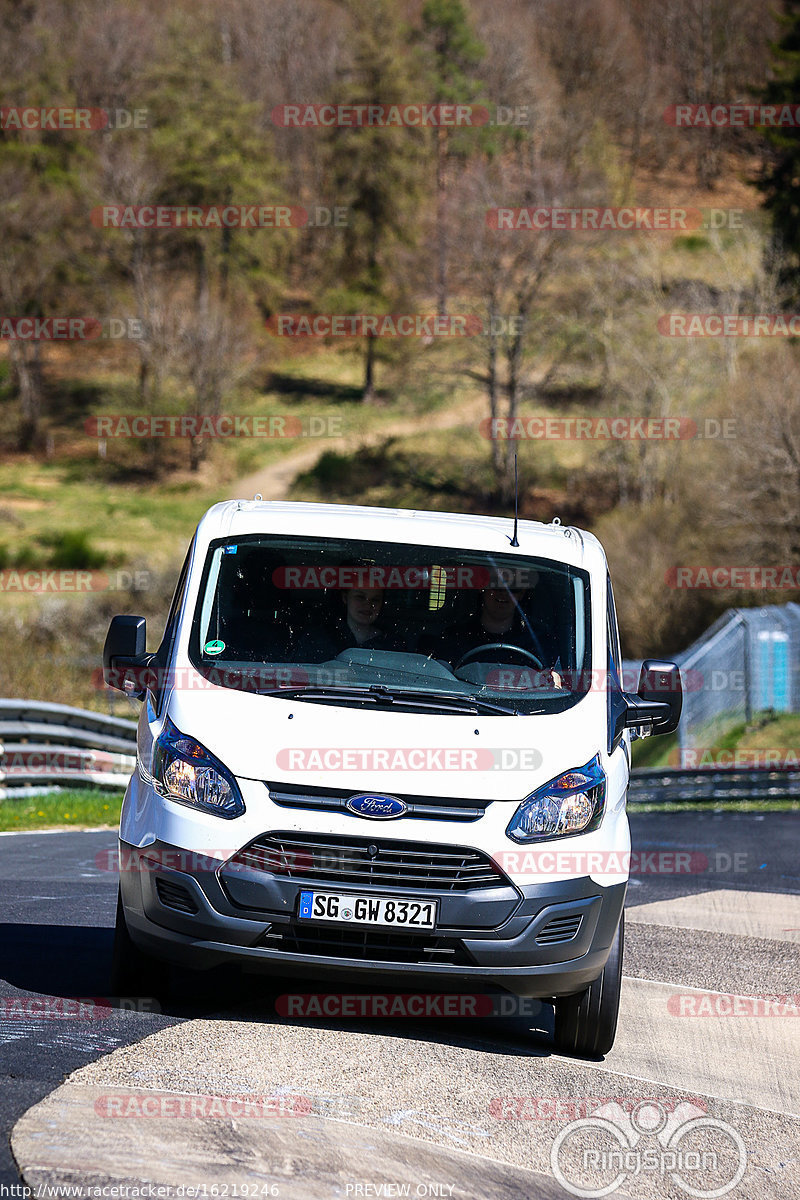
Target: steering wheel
pixel 498 646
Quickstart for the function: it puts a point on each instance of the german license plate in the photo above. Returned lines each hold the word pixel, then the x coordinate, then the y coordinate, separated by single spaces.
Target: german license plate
pixel 367 910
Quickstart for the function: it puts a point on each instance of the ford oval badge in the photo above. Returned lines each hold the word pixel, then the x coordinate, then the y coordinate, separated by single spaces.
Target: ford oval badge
pixel 376 807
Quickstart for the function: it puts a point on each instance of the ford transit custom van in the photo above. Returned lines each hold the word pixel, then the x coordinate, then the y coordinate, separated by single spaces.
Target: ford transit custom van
pixel 385 746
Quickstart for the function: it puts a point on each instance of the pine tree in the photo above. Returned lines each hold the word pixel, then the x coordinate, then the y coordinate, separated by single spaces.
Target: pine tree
pixel 375 170
pixel 454 53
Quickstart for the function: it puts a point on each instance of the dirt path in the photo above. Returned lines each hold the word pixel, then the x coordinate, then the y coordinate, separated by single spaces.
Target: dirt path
pixel 274 481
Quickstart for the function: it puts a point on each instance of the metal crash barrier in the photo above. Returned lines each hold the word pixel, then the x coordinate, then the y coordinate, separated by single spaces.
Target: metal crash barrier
pixel 50 745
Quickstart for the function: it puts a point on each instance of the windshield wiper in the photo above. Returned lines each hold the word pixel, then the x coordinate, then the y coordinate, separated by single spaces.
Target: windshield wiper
pixel 379 693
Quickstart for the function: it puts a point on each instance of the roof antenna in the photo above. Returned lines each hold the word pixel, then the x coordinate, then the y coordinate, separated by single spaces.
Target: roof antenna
pixel 513 540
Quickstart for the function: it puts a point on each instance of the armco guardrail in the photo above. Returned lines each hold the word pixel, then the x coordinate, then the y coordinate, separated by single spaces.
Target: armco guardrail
pixel 666 785
pixel 43 743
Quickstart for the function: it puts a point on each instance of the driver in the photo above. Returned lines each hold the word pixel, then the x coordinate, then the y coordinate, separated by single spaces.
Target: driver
pixel 499 617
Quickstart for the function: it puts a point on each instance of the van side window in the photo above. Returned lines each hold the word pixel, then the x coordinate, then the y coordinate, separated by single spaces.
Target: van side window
pixel 164 651
pixel 614 648
pixel 615 700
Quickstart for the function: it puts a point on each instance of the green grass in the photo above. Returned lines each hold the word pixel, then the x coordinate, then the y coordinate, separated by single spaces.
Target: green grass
pixel 70 809
pixel 89 808
pixel 714 806
pixel 653 752
pixel 766 732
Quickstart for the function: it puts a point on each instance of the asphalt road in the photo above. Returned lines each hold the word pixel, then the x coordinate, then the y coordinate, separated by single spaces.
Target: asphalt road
pixel 729 924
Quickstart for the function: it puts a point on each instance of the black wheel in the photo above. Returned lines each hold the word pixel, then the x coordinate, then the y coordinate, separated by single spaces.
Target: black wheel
pixel 134 973
pixel 587 1022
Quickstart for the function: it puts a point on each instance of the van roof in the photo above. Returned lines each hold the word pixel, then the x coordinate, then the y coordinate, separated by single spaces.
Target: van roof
pixel 234 518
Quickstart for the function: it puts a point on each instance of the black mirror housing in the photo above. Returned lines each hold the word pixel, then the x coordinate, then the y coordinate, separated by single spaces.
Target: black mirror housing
pixel 125 647
pixel 660 683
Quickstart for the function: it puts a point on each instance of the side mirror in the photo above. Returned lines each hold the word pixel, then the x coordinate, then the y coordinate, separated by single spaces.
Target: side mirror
pixel 659 698
pixel 125 657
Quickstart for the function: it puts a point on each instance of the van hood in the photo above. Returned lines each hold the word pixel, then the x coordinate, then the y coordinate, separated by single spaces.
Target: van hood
pixel 299 742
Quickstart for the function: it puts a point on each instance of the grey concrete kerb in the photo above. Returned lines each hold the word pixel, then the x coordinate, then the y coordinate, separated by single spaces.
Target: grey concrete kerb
pixel 64 1141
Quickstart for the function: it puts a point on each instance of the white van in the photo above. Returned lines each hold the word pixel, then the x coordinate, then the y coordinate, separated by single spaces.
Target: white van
pixel 380 745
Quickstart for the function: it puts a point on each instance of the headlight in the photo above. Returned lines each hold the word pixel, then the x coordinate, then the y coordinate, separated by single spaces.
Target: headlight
pixel 185 771
pixel 571 803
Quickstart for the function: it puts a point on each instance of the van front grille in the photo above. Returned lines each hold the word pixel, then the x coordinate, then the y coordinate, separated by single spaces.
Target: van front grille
pixel 437 808
pixel 173 895
pixel 559 929
pixel 367 945
pixel 369 862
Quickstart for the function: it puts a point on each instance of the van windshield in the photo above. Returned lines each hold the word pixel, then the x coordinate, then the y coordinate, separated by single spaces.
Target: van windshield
pixel 342 620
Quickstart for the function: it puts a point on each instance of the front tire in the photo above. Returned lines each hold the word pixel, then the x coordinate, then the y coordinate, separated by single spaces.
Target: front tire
pixel 133 972
pixel 586 1023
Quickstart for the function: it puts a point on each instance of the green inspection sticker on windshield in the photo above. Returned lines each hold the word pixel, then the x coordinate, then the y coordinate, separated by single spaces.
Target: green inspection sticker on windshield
pixel 213 647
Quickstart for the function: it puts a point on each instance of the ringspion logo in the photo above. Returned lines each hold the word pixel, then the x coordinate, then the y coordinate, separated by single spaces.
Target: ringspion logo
pixel 595 1155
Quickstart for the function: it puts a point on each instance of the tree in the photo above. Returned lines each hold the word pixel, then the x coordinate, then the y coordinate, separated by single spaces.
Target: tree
pixel 507 269
pixel 780 177
pixel 453 52
pixel 375 171
pixel 213 347
pixel 209 149
pixel 44 180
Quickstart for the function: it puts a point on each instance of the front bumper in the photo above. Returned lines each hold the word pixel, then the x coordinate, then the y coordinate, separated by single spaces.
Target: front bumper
pixel 538 940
